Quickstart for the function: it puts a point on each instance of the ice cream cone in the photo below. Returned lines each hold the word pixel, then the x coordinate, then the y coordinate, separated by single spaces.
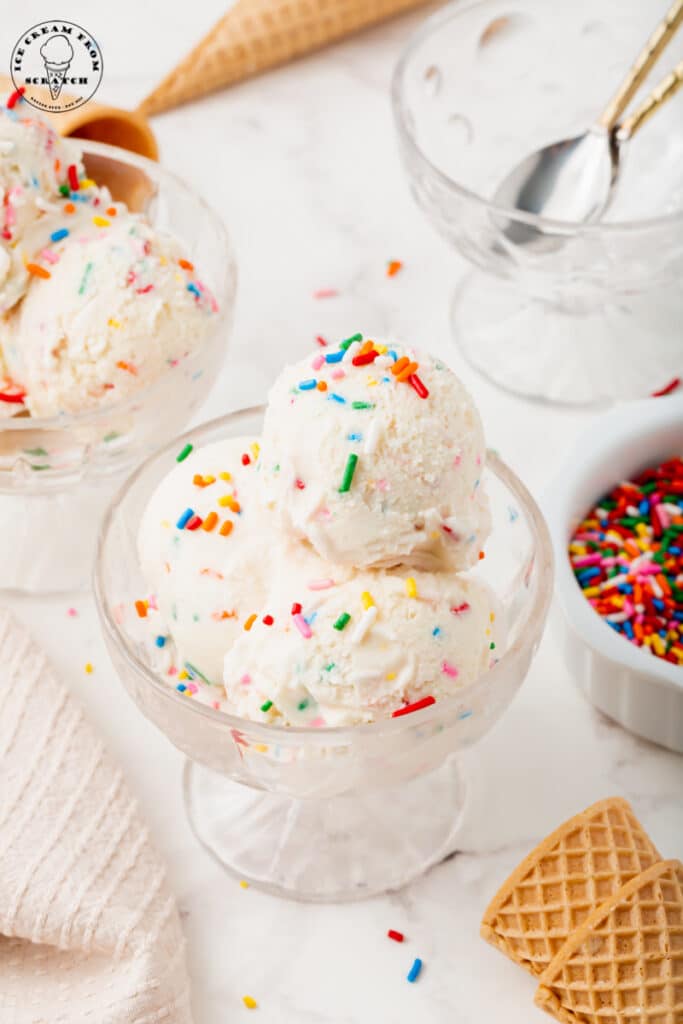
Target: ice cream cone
pixel 55 77
pixel 624 965
pixel 257 34
pixel 561 882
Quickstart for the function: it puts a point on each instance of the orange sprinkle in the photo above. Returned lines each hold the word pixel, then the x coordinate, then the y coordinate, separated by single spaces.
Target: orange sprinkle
pixel 227 501
pixel 210 522
pixel 226 528
pixel 58 164
pixel 481 555
pixel 141 609
pixel 128 367
pixel 322 385
pixel 406 372
pixel 399 365
pixel 111 211
pixel 69 208
pixel 198 480
pixel 186 265
pixel 393 267
pixel 37 271
pixel 250 622
pixel 664 584
pixel 367 346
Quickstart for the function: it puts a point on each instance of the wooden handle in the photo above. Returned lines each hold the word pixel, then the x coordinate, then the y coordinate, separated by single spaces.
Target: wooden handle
pixel 667 88
pixel 645 60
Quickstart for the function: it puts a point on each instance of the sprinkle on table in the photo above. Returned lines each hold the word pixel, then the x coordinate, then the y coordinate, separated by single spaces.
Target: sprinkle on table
pixel 393 267
pixel 89 668
pixel 349 470
pixel 183 453
pixel 414 971
pixel 425 702
pixel 668 389
pixel 396 936
pixel 249 1001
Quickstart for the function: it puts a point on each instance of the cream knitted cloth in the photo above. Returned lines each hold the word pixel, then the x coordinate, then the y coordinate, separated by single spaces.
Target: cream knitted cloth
pixel 89 931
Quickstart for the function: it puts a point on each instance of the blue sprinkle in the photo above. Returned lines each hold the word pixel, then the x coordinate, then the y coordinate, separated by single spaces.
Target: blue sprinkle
pixel 310 619
pixel 57 236
pixel 436 631
pixel 181 687
pixel 588 574
pixel 336 398
pixel 674 551
pixel 644 507
pixel 194 289
pixel 513 514
pixel 354 437
pixel 414 971
pixel 307 385
pixel 628 629
pixel 160 641
pixel 387 380
pixel 185 518
pixel 334 357
pixel 392 354
pixel 625 588
pixel 465 714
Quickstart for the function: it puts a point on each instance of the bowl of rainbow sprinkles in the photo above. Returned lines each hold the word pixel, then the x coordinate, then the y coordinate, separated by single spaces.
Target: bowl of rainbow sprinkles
pixel 322 603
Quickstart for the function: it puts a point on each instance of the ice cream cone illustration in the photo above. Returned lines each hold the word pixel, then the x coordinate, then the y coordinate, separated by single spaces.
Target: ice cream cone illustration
pixel 57 54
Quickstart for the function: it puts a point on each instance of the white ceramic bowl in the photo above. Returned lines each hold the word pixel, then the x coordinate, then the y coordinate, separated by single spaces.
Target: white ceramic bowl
pixel 642 692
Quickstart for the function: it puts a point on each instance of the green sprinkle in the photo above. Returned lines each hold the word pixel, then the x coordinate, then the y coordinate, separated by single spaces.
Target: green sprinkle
pixel 362 405
pixel 492 647
pixel 192 670
pixel 343 619
pixel 64 190
pixel 349 341
pixel 182 455
pixel 111 436
pixel 267 706
pixel 35 451
pixel 84 279
pixel 348 473
pixel 328 668
pixel 303 704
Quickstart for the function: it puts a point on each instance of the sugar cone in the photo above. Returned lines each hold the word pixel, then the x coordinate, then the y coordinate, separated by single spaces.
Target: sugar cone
pixel 624 965
pixel 257 34
pixel 128 129
pixel 564 879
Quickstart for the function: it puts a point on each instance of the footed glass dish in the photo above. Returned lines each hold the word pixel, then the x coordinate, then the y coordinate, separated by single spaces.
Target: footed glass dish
pixel 324 813
pixel 58 473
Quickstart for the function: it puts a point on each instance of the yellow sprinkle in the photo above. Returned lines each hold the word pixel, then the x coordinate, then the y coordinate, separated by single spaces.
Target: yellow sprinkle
pixel 255 449
pixel 249 1002
pixel 227 501
pixel 435 534
pixel 391 675
pixel 381 348
pixel 183 675
pixel 488 632
pixel 262 748
pixel 371 382
pixel 492 617
pixel 591 591
pixel 209 480
pixel 411 587
pixel 163 261
pixel 367 599
pixel 87 183
pixel 101 222
pixel 166 524
pixel 88 667
pixel 244 885
pixel 113 323
pixel 225 476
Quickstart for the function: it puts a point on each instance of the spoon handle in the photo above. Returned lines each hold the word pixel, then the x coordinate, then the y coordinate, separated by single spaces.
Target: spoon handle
pixel 645 60
pixel 667 88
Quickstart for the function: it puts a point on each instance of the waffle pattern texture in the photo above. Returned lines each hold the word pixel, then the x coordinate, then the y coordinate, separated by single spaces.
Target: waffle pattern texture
pixel 258 34
pixel 598 915
pixel 89 931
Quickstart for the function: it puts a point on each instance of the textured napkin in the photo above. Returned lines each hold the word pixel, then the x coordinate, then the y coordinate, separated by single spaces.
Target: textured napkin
pixel 89 931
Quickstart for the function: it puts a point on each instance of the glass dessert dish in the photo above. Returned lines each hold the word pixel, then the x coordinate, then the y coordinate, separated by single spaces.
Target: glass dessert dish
pixel 58 473
pixel 555 311
pixel 324 813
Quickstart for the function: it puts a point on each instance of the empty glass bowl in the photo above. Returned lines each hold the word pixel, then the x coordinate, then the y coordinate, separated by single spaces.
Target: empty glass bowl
pixel 325 813
pixel 557 311
pixel 57 474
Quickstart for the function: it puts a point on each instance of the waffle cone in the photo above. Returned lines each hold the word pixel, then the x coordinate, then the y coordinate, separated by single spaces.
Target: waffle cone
pixel 258 34
pixel 624 965
pixel 571 873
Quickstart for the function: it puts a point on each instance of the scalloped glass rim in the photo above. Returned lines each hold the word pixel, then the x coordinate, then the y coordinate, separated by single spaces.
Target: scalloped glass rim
pixel 432 25
pixel 155 170
pixel 529 630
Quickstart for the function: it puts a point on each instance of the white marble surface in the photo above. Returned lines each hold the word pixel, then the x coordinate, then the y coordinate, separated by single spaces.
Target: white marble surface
pixel 302 165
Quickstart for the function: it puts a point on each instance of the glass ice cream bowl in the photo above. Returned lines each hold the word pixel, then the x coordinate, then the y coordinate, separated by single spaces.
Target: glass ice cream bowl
pixel 58 473
pixel 561 312
pixel 324 813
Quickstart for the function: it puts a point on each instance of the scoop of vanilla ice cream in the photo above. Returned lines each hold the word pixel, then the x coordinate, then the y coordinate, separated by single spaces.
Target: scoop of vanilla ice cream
pixel 113 307
pixel 375 470
pixel 33 164
pixel 361 648
pixel 206 583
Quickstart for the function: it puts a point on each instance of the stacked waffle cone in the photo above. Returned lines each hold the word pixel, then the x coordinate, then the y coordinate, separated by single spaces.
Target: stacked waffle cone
pixel 258 34
pixel 597 916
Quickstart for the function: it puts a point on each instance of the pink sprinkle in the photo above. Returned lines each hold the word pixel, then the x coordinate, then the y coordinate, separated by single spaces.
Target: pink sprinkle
pixel 192 688
pixel 153 602
pixel 448 669
pixel 215 705
pixel 50 256
pixel 72 613
pixel 585 560
pixel 382 485
pixel 302 626
pixel 338 374
pixel 173 671
pixel 145 290
pixel 325 293
pixel 317 722
pixel 318 361
pixel 320 584
pixel 246 679
pixel 457 460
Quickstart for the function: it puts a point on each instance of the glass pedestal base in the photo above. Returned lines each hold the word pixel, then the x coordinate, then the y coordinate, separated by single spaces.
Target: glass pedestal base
pixel 571 352
pixel 339 848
